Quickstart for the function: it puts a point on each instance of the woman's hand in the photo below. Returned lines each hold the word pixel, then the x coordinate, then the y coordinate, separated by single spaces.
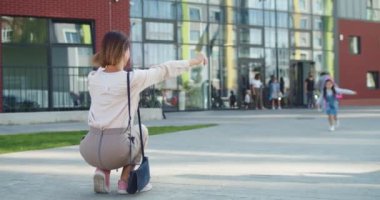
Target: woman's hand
pixel 198 60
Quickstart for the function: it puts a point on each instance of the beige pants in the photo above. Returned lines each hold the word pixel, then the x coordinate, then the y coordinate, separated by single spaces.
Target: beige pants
pixel 259 98
pixel 112 148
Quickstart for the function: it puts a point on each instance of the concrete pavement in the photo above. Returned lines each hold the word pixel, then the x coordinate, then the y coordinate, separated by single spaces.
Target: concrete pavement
pixel 268 155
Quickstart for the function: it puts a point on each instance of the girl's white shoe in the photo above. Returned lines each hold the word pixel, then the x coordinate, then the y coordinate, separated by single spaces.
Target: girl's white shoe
pixel 147 187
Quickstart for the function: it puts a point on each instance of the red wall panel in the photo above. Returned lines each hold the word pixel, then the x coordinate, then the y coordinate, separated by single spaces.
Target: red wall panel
pixel 353 68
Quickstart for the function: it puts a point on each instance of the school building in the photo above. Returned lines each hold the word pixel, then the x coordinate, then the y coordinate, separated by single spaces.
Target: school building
pixel 46 48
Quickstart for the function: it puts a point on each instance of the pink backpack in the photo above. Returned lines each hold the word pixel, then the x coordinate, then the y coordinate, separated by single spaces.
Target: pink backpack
pixel 339 96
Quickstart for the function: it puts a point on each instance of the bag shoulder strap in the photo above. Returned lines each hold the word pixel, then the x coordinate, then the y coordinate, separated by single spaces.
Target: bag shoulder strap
pixel 138 115
pixel 129 102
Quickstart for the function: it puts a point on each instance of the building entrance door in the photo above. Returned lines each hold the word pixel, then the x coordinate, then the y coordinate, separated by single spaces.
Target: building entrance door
pixel 247 69
pixel 299 71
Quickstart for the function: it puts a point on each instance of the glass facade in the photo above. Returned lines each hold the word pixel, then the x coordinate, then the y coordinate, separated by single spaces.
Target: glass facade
pixel 45 64
pixel 240 37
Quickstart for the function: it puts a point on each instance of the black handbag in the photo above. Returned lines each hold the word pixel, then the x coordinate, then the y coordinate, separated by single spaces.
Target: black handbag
pixel 139 177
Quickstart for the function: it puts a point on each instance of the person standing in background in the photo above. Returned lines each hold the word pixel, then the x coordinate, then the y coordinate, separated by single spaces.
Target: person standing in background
pixel 275 93
pixel 309 90
pixel 257 90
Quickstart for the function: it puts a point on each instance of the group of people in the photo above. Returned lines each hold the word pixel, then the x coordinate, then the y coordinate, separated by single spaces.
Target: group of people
pixel 255 93
pixel 329 94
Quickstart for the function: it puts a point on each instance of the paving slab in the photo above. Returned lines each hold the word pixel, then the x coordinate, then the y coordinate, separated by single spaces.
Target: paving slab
pixel 268 155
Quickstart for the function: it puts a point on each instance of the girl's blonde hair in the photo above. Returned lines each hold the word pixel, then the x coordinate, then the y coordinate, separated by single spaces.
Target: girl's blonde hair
pixel 114 45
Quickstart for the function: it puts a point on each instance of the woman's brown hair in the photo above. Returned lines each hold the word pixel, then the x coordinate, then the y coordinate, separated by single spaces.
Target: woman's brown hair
pixel 114 46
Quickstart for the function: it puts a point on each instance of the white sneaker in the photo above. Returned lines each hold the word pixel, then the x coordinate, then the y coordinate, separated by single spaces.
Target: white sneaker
pixel 332 128
pixel 279 108
pixel 148 187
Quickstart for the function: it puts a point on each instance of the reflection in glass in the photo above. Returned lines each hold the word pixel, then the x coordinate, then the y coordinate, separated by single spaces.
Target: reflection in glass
pixel 136 55
pixel 136 26
pixel 300 39
pixel 251 36
pixel 193 12
pixel 71 56
pixel 283 57
pixel 282 19
pixel 282 38
pixel 270 19
pixel 318 61
pixel 282 5
pixel 251 52
pixel 252 4
pixel 192 33
pixel 70 87
pixel 329 62
pixel 158 53
pixel 269 4
pixel 159 9
pixel 159 31
pixel 231 15
pixel 270 37
pixel 136 8
pixel 231 3
pixel 301 54
pixel 328 41
pixel 328 7
pixel 317 40
pixel 23 30
pixel 24 88
pixel 72 33
pixel 251 17
pixel 373 15
pixel 270 63
pixel 223 72
pixel 193 84
pixel 300 6
pixel 299 21
pixel 216 75
pixel 323 23
pixel 71 66
pixel 24 80
pixel 32 56
pixel 216 14
pixel 318 7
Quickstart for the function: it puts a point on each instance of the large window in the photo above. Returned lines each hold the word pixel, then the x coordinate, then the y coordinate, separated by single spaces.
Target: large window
pixel 24 63
pixel 42 70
